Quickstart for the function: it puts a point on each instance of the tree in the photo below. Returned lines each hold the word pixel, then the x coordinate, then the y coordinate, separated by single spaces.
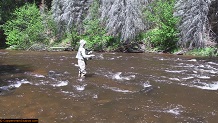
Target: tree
pixel 94 31
pixel 162 33
pixel 213 18
pixel 123 18
pixel 194 26
pixel 68 14
pixel 120 17
pixel 26 27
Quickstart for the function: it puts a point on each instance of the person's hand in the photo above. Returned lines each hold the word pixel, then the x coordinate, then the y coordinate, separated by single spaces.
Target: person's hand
pixel 90 52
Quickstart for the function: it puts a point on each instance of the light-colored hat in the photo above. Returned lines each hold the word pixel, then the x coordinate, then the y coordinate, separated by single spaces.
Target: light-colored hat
pixel 82 42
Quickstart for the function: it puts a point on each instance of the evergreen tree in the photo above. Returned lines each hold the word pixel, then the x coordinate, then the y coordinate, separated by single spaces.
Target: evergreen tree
pixel 194 26
pixel 123 18
pixel 68 14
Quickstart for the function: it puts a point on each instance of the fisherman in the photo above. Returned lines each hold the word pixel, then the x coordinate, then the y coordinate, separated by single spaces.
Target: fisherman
pixel 82 57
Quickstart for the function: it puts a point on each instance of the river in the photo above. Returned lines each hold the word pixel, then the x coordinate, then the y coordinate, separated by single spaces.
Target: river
pixel 119 88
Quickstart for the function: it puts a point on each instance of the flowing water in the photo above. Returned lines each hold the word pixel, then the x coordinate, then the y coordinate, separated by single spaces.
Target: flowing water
pixel 119 88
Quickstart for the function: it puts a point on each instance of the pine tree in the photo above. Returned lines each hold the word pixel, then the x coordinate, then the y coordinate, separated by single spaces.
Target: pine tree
pixel 69 13
pixel 120 17
pixel 194 26
pixel 123 17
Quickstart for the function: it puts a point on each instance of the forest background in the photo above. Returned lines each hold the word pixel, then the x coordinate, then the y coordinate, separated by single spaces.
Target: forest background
pixel 171 26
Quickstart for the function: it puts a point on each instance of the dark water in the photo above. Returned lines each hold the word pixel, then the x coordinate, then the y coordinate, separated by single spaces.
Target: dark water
pixel 120 88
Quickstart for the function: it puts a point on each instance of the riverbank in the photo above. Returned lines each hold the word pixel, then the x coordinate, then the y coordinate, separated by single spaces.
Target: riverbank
pixel 203 52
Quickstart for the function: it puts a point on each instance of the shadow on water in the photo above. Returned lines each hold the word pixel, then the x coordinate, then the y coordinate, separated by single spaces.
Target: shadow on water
pixel 8 73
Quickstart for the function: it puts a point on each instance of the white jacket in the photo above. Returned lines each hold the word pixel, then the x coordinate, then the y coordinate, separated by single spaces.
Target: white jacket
pixel 81 54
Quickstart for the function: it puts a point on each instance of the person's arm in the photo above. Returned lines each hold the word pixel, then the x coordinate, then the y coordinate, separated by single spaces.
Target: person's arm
pixel 83 51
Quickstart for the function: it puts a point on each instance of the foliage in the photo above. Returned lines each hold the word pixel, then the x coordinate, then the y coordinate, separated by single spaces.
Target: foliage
pixel 208 51
pixel 7 7
pixel 25 28
pixel 74 37
pixel 163 32
pixel 50 26
pixel 95 34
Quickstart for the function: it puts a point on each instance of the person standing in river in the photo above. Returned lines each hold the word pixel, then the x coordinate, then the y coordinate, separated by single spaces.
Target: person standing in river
pixel 82 57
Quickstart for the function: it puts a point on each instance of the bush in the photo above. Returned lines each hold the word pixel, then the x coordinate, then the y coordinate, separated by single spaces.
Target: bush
pixel 26 27
pixel 163 31
pixel 208 51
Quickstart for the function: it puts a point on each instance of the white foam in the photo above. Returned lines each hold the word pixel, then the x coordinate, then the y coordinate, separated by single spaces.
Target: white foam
pixel 213 63
pixel 175 71
pixel 118 76
pixel 95 96
pixel 176 79
pixel 213 72
pixel 188 65
pixel 19 83
pixel 203 85
pixel 60 83
pixel 146 85
pixel 119 56
pixel 120 90
pixel 203 77
pixel 80 87
pixel 35 75
pixel 15 85
pixel 192 60
pixel 67 92
pixel 206 86
pixel 186 78
pixel 174 111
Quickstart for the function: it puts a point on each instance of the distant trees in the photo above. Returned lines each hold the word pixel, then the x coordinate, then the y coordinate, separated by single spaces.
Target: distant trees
pixel 194 26
pixel 104 23
pixel 69 14
pixel 123 18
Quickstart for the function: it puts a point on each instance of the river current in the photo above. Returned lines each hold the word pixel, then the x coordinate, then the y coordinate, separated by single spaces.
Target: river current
pixel 119 88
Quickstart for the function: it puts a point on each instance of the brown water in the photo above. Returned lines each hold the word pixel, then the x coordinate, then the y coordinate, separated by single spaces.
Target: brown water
pixel 120 88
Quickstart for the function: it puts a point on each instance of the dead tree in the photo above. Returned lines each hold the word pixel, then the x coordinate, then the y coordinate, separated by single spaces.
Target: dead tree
pixel 123 18
pixel 120 17
pixel 69 13
pixel 194 26
pixel 213 18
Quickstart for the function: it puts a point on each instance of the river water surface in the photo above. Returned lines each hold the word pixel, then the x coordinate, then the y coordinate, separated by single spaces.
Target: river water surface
pixel 119 88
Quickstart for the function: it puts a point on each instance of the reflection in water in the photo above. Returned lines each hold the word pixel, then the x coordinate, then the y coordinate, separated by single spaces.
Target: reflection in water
pixel 131 88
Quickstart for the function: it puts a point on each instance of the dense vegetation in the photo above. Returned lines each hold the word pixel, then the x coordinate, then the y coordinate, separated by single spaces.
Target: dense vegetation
pixel 160 25
pixel 25 28
pixel 163 33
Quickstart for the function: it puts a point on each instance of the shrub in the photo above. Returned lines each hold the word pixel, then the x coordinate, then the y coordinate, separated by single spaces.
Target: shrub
pixel 208 51
pixel 26 27
pixel 163 31
pixel 95 33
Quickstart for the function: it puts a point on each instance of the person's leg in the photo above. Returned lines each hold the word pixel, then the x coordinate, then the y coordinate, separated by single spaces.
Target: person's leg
pixel 82 68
